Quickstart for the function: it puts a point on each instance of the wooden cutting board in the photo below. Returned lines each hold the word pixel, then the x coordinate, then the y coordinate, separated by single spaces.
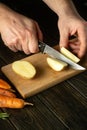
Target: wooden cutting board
pixel 45 77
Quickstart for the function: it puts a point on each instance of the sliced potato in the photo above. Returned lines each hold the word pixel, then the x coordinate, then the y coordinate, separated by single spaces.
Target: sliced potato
pixel 70 55
pixel 24 69
pixel 56 64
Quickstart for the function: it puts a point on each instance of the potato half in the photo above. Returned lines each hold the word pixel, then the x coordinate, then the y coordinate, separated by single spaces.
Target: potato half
pixel 70 55
pixel 56 64
pixel 24 69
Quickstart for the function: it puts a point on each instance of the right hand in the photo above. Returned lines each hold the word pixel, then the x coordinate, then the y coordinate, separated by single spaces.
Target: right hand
pixel 19 32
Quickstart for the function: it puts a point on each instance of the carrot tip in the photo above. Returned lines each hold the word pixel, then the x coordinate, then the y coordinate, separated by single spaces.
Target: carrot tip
pixel 28 103
pixel 12 90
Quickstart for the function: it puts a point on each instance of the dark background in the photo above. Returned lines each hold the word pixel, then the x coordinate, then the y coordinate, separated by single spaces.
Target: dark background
pixel 46 18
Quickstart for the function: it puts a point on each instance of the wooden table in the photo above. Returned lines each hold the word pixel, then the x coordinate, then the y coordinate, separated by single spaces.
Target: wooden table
pixel 62 107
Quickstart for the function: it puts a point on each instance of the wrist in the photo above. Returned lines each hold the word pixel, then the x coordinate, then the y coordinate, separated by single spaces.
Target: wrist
pixel 65 8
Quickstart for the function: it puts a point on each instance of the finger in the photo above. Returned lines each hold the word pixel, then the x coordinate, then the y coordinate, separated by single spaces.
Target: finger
pixel 63 39
pixel 25 47
pixel 11 45
pixel 75 45
pixel 18 46
pixel 75 51
pixel 13 48
pixel 33 45
pixel 33 41
pixel 29 39
pixel 83 43
pixel 39 32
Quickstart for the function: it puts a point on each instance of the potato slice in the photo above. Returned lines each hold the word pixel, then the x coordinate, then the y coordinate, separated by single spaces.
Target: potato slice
pixel 24 69
pixel 70 55
pixel 56 64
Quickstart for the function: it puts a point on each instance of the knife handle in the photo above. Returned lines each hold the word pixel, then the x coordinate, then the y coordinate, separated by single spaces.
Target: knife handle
pixel 41 46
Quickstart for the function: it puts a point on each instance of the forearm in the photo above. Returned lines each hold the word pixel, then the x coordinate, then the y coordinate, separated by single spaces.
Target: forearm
pixel 61 7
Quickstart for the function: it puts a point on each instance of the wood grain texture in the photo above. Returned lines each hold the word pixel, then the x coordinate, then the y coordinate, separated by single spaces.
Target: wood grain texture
pixel 45 77
pixel 37 117
pixel 5 124
pixel 80 83
pixel 67 104
pixel 62 107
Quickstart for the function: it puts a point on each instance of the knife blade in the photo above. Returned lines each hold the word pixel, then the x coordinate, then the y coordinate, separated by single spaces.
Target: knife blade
pixel 44 48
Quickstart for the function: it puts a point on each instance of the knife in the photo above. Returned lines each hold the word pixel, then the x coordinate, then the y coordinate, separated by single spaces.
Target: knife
pixel 44 48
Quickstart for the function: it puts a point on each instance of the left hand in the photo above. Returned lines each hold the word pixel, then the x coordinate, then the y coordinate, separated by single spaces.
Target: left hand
pixel 73 25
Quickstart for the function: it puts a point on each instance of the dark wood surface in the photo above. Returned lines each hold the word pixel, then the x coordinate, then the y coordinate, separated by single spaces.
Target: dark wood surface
pixel 62 107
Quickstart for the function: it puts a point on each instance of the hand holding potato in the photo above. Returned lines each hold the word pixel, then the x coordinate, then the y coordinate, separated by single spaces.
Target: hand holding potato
pixel 73 25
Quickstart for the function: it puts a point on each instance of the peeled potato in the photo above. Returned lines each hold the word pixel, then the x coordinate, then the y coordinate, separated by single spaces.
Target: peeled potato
pixel 70 55
pixel 56 64
pixel 24 69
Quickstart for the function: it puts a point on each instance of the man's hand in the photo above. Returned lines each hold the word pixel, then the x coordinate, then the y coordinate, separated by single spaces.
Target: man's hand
pixel 19 32
pixel 69 26
pixel 70 23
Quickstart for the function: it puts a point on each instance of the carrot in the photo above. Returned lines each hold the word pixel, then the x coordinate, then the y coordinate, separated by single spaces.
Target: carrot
pixel 6 93
pixel 4 84
pixel 8 102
